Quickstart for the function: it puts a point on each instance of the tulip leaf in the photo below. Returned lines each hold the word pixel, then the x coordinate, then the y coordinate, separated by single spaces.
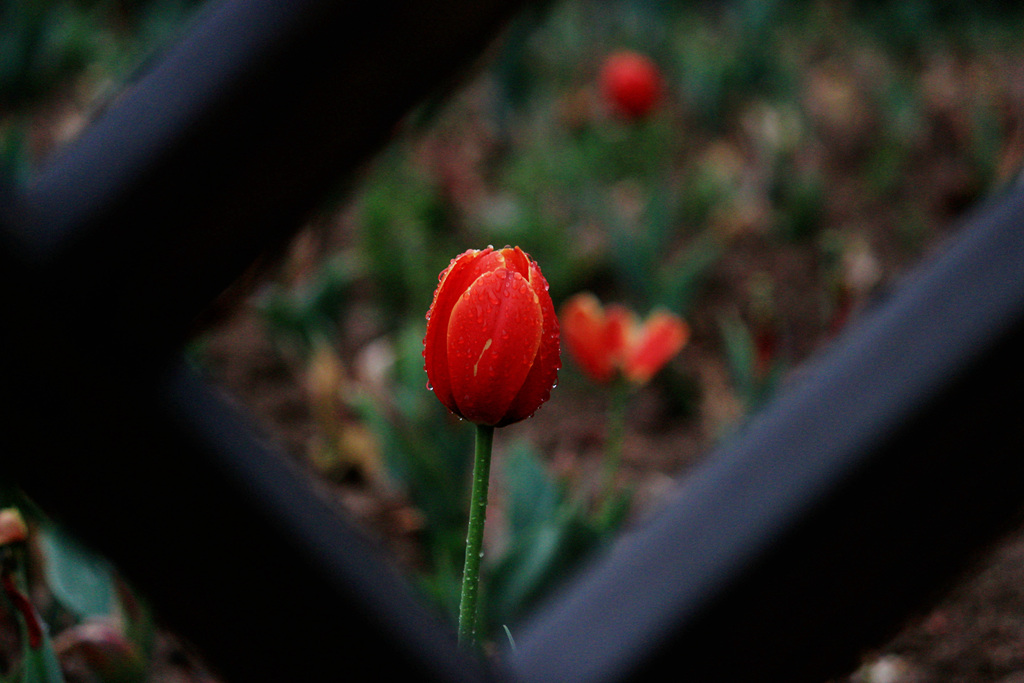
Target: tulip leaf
pixel 753 386
pixel 525 569
pixel 537 561
pixel 40 664
pixel 533 495
pixel 679 280
pixel 549 534
pixel 80 580
pixel 739 351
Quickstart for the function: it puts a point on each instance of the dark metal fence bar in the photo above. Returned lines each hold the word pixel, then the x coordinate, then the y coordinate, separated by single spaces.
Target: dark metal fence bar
pixel 864 490
pixel 860 492
pixel 220 150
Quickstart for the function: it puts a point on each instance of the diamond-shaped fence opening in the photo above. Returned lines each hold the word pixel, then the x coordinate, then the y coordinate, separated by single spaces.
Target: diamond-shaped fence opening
pixel 857 494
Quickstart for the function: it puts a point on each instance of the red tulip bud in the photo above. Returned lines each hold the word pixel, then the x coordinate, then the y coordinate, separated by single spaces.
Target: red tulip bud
pixel 491 349
pixel 12 526
pixel 631 83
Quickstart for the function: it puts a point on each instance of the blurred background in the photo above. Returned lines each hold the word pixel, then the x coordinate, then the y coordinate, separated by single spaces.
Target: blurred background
pixel 795 160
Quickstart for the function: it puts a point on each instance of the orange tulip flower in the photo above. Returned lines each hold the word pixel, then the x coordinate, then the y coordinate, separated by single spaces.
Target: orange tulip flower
pixel 610 342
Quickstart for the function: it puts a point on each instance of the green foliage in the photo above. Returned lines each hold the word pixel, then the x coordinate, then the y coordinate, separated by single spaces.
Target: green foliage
pixel 799 197
pixel 307 313
pixel 429 452
pixel 551 531
pixel 92 612
pixel 39 664
pixel 81 581
pixel 41 45
pixel 400 239
pixel 754 369
pixel 47 46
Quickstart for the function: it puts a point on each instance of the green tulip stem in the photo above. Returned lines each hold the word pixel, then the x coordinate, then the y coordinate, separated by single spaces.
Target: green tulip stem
pixel 475 535
pixel 620 394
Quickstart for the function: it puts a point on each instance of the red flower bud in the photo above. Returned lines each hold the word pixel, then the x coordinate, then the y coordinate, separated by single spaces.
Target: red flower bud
pixel 491 349
pixel 12 526
pixel 631 83
pixel 607 342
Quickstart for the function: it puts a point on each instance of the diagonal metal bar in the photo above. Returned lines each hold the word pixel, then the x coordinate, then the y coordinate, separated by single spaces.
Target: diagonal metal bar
pixel 865 489
pixel 223 147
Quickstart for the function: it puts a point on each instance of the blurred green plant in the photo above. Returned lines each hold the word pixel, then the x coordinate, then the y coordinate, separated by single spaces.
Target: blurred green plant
pixel 551 530
pixel 402 227
pixel 45 46
pixel 426 450
pixel 752 359
pixel 307 313
pixel 75 615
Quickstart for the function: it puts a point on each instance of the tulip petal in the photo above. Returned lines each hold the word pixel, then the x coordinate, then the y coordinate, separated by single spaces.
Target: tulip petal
pixel 621 333
pixel 543 375
pixel 453 281
pixel 660 338
pixel 494 333
pixel 583 324
pixel 596 336
pixel 517 260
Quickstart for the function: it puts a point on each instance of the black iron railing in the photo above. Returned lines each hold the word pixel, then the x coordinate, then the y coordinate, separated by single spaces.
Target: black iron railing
pixel 861 491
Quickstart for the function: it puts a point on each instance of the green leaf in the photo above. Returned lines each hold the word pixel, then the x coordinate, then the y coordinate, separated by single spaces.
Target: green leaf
pixel 680 279
pixel 80 580
pixel 739 352
pixel 523 572
pixel 40 665
pixel 533 495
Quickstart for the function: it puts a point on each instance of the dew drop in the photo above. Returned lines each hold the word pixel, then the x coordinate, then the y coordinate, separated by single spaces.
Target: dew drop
pixel 430 386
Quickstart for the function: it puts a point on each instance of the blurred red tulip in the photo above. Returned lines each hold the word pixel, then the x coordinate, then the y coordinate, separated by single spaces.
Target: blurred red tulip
pixel 12 526
pixel 608 342
pixel 491 350
pixel 631 83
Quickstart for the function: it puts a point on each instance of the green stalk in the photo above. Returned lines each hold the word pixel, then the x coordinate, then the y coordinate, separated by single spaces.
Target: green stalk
pixel 475 535
pixel 616 433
